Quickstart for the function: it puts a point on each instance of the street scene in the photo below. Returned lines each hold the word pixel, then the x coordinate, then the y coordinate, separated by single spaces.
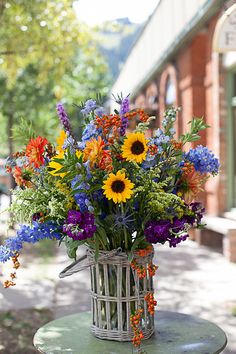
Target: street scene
pixel 118 153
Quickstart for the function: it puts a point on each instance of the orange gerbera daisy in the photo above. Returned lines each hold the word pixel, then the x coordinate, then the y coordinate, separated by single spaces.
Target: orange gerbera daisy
pixel 93 151
pixel 35 151
pixel 106 161
pixel 191 185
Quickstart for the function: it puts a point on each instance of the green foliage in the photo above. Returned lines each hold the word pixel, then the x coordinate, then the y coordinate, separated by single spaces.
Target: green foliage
pixel 196 125
pixel 49 197
pixel 164 205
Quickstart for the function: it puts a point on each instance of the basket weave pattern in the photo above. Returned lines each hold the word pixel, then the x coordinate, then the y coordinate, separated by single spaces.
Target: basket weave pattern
pixel 116 292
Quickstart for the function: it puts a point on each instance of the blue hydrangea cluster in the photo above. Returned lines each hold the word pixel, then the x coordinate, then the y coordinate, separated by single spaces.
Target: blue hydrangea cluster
pixel 89 133
pixel 203 159
pixel 32 234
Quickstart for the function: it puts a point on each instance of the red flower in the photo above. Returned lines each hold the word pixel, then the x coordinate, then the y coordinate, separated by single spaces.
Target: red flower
pixel 35 151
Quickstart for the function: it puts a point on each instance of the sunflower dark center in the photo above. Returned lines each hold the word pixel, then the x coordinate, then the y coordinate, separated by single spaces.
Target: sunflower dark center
pixel 118 186
pixel 137 148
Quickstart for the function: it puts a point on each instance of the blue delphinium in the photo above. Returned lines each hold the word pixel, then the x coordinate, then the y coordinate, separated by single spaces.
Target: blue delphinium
pixel 5 254
pixel 203 159
pixel 81 198
pixel 14 244
pixel 89 106
pixel 99 111
pixel 89 132
pixel 31 234
pixel 149 162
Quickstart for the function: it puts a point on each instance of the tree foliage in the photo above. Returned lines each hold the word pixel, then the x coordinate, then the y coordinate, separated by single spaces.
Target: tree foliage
pixel 45 55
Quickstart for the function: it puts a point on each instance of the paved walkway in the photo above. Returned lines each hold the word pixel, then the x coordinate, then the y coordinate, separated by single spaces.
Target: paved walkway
pixel 191 279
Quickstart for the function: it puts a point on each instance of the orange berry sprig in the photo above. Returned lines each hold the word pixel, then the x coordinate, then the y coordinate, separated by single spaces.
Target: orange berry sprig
pixel 109 124
pixel 135 325
pixel 140 112
pixel 151 302
pixel 145 251
pixel 152 269
pixel 177 145
pixel 16 265
pixel 188 168
pixel 141 271
pixel 152 149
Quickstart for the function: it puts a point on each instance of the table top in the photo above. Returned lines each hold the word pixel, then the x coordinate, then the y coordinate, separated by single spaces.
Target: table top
pixel 175 333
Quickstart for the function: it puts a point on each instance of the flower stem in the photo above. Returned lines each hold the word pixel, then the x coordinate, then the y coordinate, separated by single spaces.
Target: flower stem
pixel 125 231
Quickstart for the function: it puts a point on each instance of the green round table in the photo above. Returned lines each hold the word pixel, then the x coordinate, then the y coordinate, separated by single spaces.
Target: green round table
pixel 175 333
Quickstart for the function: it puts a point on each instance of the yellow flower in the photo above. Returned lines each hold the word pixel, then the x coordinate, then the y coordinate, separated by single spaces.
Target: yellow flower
pixel 60 141
pixel 56 165
pixel 135 147
pixel 118 187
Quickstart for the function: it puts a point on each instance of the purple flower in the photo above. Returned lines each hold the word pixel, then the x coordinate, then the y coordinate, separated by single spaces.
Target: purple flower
pixel 165 230
pixel 174 241
pixel 124 120
pixel 63 118
pixel 79 226
pixel 157 231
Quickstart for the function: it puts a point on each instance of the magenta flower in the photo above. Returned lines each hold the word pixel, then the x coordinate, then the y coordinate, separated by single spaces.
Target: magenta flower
pixel 79 226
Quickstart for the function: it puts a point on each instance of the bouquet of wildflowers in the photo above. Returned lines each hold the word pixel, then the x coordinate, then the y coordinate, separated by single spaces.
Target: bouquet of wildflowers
pixel 115 188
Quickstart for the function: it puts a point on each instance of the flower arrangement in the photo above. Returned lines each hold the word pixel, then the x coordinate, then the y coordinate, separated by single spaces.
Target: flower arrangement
pixel 115 188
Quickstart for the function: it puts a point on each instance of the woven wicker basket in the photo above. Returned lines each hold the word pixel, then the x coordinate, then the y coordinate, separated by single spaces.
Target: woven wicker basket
pixel 116 292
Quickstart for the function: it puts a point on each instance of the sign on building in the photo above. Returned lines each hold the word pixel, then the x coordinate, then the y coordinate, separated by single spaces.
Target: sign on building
pixel 225 32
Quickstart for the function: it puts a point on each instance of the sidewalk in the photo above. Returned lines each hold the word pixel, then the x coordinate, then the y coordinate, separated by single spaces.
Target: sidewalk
pixel 191 279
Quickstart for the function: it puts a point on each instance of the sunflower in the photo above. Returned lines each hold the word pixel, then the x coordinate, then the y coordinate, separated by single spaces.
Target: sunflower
pixel 135 147
pixel 118 187
pixel 60 141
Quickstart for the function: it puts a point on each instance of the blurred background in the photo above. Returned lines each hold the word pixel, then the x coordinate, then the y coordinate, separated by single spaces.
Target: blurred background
pixel 163 53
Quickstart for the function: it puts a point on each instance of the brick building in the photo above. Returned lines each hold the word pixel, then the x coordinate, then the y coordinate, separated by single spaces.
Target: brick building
pixel 174 62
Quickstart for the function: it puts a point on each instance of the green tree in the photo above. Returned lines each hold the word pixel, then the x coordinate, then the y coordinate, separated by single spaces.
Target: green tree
pixel 45 54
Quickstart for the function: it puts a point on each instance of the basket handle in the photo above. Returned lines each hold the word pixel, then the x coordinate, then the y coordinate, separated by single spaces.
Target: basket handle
pixel 76 266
